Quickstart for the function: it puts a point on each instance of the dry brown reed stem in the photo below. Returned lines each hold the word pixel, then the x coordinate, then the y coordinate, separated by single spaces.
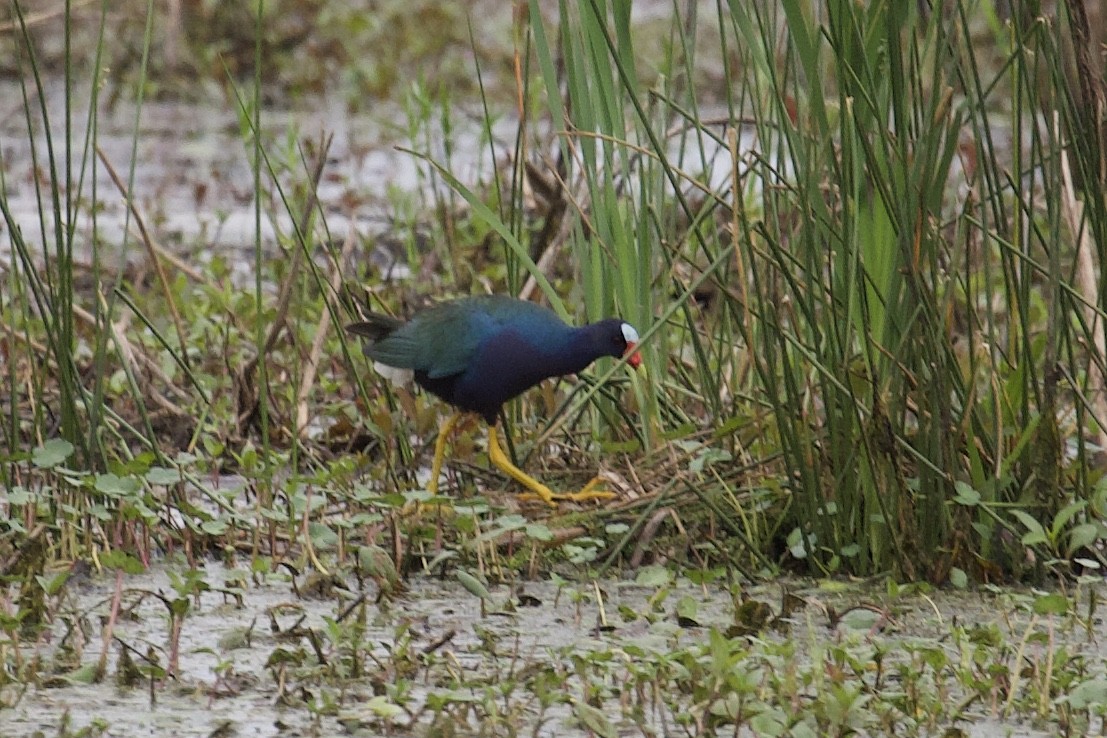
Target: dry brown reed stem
pixel 1085 277
pixel 148 242
pixel 1091 88
pixel 307 380
pixel 1093 108
pixel 178 263
pixel 284 300
pixel 109 627
pixel 132 356
pixel 249 402
pixel 649 532
pixel 44 15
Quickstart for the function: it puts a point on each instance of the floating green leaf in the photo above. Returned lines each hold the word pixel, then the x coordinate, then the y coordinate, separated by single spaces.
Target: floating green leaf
pixel 966 494
pixel 1089 694
pixel 121 560
pixel 161 475
pixel 594 720
pixel 115 486
pixel 1083 536
pixel 539 532
pixel 1051 604
pixel 654 575
pixel 473 585
pixel 52 453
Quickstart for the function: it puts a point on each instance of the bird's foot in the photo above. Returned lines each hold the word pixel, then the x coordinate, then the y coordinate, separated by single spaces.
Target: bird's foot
pixel 538 490
pixel 589 492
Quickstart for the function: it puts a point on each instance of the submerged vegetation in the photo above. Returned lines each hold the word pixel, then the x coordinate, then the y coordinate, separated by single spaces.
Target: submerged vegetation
pixel 862 243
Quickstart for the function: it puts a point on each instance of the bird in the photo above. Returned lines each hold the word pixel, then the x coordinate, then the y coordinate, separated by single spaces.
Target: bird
pixel 476 353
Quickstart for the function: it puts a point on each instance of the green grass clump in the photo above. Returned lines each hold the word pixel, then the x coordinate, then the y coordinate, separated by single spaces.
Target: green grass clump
pixel 861 245
pixel 900 316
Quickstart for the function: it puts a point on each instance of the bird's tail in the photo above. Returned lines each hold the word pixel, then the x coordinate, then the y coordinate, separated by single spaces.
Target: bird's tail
pixel 375 326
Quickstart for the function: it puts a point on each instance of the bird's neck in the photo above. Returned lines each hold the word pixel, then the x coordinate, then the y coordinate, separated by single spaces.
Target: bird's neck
pixel 575 355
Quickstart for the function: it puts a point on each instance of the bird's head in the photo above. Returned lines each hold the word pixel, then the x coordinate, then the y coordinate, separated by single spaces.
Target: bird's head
pixel 613 337
pixel 609 337
pixel 630 345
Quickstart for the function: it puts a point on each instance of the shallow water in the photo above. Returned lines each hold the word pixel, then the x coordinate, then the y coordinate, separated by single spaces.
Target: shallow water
pixel 224 684
pixel 192 180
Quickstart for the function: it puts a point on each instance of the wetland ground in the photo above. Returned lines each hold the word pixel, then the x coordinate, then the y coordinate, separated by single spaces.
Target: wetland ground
pixel 112 624
pixel 260 654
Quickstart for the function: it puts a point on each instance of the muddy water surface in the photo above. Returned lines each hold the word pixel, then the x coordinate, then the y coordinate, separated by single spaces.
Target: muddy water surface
pixel 435 639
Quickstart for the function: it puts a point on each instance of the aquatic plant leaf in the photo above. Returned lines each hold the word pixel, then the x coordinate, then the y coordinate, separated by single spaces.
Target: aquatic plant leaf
pixel 474 585
pixel 51 453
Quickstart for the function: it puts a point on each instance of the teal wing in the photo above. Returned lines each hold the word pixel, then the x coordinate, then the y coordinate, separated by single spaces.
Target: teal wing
pixel 444 340
pixel 440 341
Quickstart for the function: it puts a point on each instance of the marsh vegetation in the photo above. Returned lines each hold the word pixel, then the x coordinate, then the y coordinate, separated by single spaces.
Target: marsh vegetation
pixel 858 489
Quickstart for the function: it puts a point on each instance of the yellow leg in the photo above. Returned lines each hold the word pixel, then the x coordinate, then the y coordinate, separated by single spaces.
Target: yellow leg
pixel 440 452
pixel 497 456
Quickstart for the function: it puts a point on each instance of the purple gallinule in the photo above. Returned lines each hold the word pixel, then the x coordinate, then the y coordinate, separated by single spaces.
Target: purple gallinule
pixel 476 353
